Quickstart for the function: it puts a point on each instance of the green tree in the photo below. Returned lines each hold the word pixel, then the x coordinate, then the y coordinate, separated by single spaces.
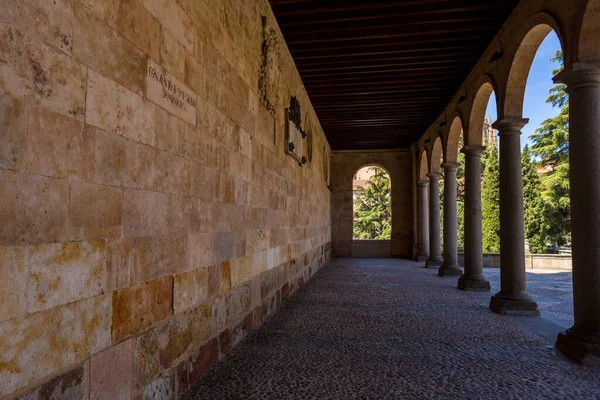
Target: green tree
pixel 534 205
pixel 550 145
pixel 373 208
pixel 490 202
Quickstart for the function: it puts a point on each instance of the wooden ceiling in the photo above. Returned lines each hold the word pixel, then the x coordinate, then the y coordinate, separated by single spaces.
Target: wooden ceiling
pixel 379 73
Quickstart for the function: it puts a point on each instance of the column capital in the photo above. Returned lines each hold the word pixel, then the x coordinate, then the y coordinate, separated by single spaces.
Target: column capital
pixel 510 126
pixel 579 75
pixel 434 175
pixel 450 166
pixel 474 150
pixel 423 183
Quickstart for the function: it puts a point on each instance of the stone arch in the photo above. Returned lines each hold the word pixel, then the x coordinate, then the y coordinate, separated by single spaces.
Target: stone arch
pixel 536 31
pixel 423 168
pixel 435 157
pixel 477 115
pixel 588 45
pixel 453 138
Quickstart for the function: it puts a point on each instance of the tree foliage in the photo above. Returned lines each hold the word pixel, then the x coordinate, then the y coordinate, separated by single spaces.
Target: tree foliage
pixel 490 201
pixel 373 208
pixel 550 147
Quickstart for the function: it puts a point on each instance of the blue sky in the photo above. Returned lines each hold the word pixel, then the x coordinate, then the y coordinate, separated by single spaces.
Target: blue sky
pixel 539 83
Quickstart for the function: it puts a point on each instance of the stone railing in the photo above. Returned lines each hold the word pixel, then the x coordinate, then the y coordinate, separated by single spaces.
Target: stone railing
pixel 532 261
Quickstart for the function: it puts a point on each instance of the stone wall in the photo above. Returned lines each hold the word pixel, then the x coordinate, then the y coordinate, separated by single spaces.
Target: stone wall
pixel 532 261
pixel 344 165
pixel 150 217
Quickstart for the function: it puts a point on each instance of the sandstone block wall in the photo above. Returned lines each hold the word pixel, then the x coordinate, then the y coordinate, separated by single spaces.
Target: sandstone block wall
pixel 150 217
pixel 344 164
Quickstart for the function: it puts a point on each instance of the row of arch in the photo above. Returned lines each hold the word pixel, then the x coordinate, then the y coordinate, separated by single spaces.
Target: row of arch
pixel 504 70
pixel 507 80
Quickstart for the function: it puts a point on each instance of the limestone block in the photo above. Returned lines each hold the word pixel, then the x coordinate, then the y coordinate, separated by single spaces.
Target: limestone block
pixel 225 188
pixel 190 372
pixel 40 74
pixel 52 340
pixel 95 211
pixel 69 386
pixel 115 109
pixel 13 269
pixel 32 219
pixel 225 276
pixel 136 23
pixel 190 289
pixel 203 181
pixel 61 273
pixel 13 120
pixel 242 270
pixel 172 54
pixel 118 271
pixel 259 264
pixel 170 131
pixel 113 56
pixel 111 373
pixel 147 213
pixel 245 146
pixel 256 241
pixel 194 74
pixel 224 246
pixel 171 16
pixel 107 10
pixel 59 146
pixel 157 256
pixel 165 346
pixel 136 308
pixel 214 281
pixel 201 250
pixel 111 159
pixel 49 21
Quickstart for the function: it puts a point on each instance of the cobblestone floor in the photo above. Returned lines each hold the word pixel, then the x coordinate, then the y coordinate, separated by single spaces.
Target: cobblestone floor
pixel 390 329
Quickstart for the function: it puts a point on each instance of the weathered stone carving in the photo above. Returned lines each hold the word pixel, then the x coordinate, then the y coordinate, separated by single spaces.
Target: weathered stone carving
pixel 268 76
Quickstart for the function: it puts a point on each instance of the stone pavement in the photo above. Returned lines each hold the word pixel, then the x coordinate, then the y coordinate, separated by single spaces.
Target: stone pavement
pixel 388 329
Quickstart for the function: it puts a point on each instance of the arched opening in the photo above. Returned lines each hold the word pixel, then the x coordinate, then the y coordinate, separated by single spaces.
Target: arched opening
pixel 452 154
pixel 372 204
pixel 545 150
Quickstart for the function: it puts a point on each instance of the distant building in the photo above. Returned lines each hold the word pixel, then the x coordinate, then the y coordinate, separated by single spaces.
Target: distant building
pixel 490 135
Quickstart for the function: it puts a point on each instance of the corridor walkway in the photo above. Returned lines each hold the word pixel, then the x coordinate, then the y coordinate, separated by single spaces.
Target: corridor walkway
pixel 374 329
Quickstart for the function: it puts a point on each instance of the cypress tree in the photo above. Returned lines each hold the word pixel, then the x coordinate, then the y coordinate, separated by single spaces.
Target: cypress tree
pixel 490 202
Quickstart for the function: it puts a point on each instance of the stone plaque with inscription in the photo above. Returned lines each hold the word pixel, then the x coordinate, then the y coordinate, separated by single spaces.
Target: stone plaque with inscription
pixel 170 94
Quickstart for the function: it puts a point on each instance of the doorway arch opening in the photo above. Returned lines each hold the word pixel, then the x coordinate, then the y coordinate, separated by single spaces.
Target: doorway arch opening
pixel 372 204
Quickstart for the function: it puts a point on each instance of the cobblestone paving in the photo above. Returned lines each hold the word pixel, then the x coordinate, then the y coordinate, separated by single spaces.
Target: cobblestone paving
pixel 390 329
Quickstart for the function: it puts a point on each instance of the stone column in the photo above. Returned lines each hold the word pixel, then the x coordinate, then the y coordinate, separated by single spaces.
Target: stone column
pixel 582 341
pixel 513 297
pixel 450 266
pixel 435 251
pixel 473 278
pixel 423 221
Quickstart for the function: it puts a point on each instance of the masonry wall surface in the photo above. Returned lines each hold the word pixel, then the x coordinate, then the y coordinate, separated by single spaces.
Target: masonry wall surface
pixel 150 217
pixel 344 165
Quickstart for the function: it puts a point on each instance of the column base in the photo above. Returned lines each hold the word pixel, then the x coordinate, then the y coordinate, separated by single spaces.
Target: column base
pixel 422 257
pixel 514 305
pixel 584 350
pixel 431 263
pixel 479 284
pixel 450 270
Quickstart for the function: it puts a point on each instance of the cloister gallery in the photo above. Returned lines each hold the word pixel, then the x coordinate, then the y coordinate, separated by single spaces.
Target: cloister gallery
pixel 172 172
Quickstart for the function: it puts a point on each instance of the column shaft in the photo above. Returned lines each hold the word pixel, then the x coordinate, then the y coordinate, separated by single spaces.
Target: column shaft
pixel 582 341
pixel 423 221
pixel 513 297
pixel 435 250
pixel 473 278
pixel 450 266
